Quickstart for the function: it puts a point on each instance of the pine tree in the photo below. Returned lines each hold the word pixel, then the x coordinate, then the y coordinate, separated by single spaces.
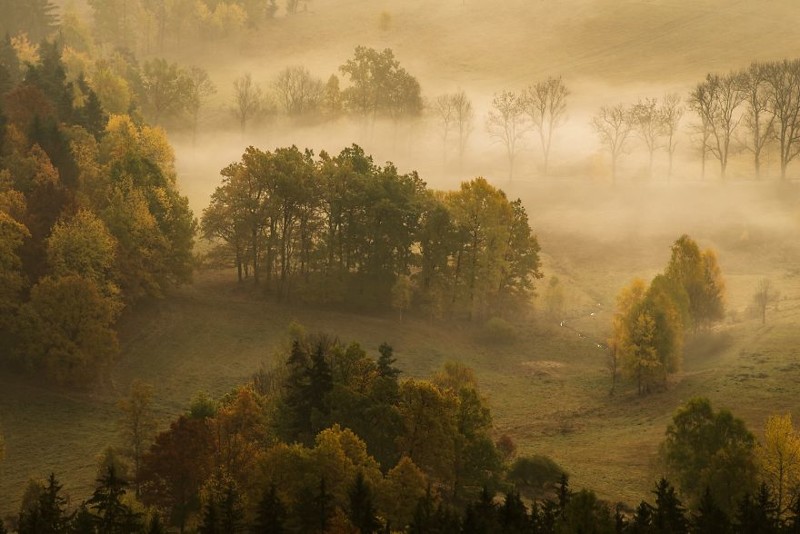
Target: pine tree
pixel 386 361
pixel 83 522
pixel 668 514
pixel 49 515
pixel 513 516
pixel 710 518
pixel 564 493
pixel 112 515
pixel 757 515
pixel 362 507
pixel 271 514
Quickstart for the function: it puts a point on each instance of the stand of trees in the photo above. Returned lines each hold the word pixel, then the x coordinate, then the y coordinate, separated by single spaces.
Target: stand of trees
pixel 650 323
pixel 334 441
pixel 340 229
pixel 90 221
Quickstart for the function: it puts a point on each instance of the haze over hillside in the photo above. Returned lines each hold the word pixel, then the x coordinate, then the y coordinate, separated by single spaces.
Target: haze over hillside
pixel 548 383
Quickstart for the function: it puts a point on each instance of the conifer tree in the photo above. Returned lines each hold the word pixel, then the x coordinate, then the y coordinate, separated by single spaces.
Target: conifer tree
pixel 271 514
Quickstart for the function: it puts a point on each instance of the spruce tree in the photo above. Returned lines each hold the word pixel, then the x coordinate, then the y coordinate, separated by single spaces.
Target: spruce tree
pixel 710 518
pixel 668 514
pixel 271 514
pixel 111 514
pixel 362 507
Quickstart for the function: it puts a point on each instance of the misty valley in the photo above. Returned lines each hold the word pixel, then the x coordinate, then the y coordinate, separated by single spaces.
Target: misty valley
pixel 353 266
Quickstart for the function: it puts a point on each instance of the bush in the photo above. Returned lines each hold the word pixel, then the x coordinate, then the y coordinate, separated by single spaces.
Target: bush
pixel 532 475
pixel 498 330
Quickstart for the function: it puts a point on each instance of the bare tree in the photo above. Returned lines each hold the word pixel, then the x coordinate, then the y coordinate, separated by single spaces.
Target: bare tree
pixel 444 113
pixel 200 88
pixel 646 122
pixel 614 129
pixel 671 113
pixel 758 117
pixel 613 365
pixel 248 100
pixel 783 81
pixel 764 296
pixel 464 117
pixel 506 123
pixel 716 101
pixel 546 105
pixel 298 92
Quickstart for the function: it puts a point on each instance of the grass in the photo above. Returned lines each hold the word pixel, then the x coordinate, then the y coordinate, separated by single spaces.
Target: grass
pixel 548 388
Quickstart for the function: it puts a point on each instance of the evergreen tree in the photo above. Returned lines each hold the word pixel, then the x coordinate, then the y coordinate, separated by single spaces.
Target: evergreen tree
pixel 642 518
pixel 564 493
pixel 83 522
pixel 271 514
pixel 155 526
pixel 668 514
pixel 758 515
pixel 710 518
pixel 112 515
pixel 513 516
pixel 211 519
pixel 49 515
pixel 386 361
pixel 362 508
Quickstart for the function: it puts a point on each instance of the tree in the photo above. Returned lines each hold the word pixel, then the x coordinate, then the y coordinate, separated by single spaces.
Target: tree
pixel 137 424
pixel 380 86
pixel 167 90
pixel 506 123
pixel 400 492
pixel 271 514
pixel 464 117
pixel 668 513
pixel 758 118
pixel 298 92
pixel 716 101
pixel 779 460
pixel 649 127
pixel 710 518
pixel 175 467
pixel 199 88
pixel 783 82
pixel 704 448
pixel 36 18
pixel 546 105
pixel 401 294
pixel 111 514
pixel 670 114
pixel 443 112
pixel 613 128
pixel 362 511
pixel 48 513
pixel 699 275
pixel 68 333
pixel 763 297
pixel 248 100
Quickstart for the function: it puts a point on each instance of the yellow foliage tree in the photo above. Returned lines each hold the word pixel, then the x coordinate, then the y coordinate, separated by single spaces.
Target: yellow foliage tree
pixel 779 459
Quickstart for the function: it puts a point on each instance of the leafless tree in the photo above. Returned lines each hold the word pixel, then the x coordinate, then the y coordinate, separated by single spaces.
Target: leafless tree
pixel 546 105
pixel 507 124
pixel 716 101
pixel 758 117
pixel 298 91
pixel 670 114
pixel 648 126
pixel 764 296
pixel 783 82
pixel 464 117
pixel 248 100
pixel 443 111
pixel 613 127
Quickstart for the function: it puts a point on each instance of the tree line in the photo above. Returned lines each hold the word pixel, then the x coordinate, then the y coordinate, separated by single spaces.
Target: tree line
pixel 333 440
pixel 91 220
pixel 651 322
pixel 341 229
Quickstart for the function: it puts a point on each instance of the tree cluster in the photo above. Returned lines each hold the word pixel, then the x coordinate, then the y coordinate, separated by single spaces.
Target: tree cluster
pixel 540 107
pixel 655 124
pixel 340 229
pixel 90 221
pixel 650 322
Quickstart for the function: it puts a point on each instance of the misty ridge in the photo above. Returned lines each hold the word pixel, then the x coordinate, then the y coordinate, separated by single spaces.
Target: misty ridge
pixel 354 266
